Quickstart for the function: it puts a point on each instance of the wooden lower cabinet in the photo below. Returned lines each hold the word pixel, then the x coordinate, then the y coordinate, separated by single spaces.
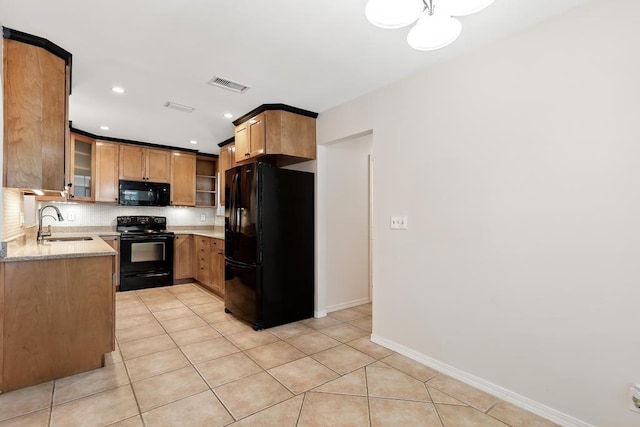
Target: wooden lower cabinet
pixel 114 242
pixel 58 318
pixel 183 257
pixel 202 260
pixel 106 175
pixel 216 266
pixel 209 263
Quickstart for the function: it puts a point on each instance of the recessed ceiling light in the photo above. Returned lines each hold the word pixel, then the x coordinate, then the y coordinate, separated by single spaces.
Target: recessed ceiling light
pixel 193 141
pixel 104 127
pixel 117 89
pixel 228 115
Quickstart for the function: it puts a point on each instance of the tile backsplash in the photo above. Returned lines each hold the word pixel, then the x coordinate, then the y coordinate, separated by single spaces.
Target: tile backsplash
pixel 17 213
pixel 96 214
pixel 12 207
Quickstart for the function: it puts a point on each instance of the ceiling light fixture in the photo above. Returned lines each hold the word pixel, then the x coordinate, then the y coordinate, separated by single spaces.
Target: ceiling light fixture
pixel 117 89
pixel 228 115
pixel 436 26
pixel 193 141
pixel 179 107
pixel 104 127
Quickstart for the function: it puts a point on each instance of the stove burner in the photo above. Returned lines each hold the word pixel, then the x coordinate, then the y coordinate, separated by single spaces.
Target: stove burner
pixel 142 224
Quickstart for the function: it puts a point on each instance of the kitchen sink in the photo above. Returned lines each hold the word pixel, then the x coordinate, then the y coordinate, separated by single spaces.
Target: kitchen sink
pixel 67 239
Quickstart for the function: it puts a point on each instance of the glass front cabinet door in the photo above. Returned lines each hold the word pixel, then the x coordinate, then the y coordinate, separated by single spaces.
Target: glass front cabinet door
pixel 82 167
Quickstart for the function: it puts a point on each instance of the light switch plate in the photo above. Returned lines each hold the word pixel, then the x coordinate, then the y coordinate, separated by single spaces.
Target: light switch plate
pixel 399 222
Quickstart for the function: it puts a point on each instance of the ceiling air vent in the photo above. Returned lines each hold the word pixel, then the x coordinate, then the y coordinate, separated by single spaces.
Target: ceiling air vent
pixel 179 107
pixel 228 84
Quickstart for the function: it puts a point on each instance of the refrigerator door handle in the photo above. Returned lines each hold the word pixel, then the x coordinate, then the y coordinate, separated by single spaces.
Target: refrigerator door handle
pixel 237 264
pixel 237 208
pixel 232 213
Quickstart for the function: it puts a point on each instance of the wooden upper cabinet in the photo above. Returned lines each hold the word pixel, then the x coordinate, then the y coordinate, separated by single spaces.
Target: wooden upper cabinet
pixel 183 179
pixel 132 163
pixel 206 189
pixel 36 92
pixel 106 176
pixel 288 136
pixel 144 164
pixel 226 160
pixel 250 138
pixel 82 166
pixel 158 165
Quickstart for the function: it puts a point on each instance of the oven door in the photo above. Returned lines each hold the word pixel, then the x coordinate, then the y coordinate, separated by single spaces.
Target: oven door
pixel 145 261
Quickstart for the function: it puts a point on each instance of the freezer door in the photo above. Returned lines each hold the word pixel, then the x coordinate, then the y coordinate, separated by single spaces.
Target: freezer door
pixel 241 291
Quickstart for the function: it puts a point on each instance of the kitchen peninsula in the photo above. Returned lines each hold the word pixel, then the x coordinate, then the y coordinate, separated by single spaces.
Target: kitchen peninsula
pixel 57 305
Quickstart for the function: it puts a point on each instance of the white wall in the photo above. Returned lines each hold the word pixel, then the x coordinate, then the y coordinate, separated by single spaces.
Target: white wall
pixel 519 172
pixel 344 209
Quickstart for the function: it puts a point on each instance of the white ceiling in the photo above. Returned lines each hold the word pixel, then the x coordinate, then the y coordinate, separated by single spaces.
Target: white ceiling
pixel 309 54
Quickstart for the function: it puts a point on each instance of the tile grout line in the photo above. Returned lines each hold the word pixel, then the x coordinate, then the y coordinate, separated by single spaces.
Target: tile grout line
pixel 244 352
pixel 192 365
pixel 53 389
pixel 434 405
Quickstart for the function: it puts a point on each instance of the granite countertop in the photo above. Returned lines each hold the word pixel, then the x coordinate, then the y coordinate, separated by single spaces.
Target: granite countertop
pixel 216 234
pixel 27 249
pixel 23 249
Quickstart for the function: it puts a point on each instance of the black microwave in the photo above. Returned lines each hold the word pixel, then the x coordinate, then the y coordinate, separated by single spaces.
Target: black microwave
pixel 137 193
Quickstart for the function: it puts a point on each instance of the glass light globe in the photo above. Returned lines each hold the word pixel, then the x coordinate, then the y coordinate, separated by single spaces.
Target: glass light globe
pixel 461 7
pixel 391 14
pixel 434 31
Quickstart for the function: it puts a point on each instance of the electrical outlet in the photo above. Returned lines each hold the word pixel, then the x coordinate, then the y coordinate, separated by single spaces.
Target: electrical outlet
pixel 203 217
pixel 71 216
pixel 634 398
pixel 399 223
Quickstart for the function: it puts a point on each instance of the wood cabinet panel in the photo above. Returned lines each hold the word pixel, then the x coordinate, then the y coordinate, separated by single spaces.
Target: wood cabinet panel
pixel 158 165
pixel 106 176
pixel 183 179
pixel 203 253
pixel 58 318
pixel 242 142
pixel 114 242
pixel 35 117
pixel 209 263
pixel 132 163
pixel 82 167
pixel 216 266
pixel 183 257
pixel 206 189
pixel 226 160
pixel 144 164
pixel 257 135
pixel 286 137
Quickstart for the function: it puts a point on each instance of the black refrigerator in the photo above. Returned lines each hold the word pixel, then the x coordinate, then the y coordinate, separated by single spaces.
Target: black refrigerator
pixel 269 244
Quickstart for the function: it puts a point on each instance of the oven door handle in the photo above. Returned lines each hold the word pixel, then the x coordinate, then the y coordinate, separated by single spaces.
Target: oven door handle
pixel 149 274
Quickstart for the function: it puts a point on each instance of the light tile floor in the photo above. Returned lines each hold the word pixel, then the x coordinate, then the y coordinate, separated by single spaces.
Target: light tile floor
pixel 182 361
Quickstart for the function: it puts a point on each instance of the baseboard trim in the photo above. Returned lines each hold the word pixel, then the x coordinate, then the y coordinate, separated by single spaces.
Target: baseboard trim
pixel 349 304
pixel 486 386
pixel 320 313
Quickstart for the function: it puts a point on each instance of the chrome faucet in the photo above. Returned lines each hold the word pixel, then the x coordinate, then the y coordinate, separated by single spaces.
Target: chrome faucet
pixel 42 234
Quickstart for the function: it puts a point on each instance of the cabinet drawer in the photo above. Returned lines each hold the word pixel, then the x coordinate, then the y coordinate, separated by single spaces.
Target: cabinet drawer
pixel 217 245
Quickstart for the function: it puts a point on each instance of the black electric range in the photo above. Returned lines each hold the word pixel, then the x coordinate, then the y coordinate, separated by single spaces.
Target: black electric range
pixel 146 252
